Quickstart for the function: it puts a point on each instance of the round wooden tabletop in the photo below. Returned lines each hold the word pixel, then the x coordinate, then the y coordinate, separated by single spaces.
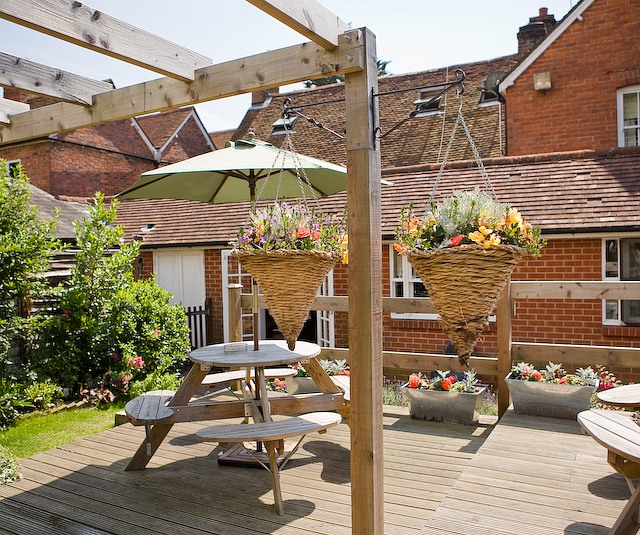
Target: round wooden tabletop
pixel 241 354
pixel 623 396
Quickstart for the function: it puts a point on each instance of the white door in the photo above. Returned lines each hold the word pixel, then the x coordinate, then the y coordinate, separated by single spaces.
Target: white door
pixel 182 274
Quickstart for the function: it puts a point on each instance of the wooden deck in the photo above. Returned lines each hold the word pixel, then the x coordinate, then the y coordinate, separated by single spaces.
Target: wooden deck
pixel 523 476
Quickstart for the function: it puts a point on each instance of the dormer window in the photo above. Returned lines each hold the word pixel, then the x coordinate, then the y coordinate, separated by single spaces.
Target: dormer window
pixel 629 116
pixel 283 125
pixel 489 94
pixel 429 101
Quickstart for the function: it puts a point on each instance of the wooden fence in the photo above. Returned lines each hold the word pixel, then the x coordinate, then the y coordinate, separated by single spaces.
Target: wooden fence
pixel 508 350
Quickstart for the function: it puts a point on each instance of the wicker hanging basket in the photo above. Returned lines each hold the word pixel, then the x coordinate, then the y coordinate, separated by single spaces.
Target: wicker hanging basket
pixel 289 280
pixel 464 284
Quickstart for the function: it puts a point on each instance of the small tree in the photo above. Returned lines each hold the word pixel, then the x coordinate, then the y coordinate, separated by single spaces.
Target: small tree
pixel 27 246
pixel 109 323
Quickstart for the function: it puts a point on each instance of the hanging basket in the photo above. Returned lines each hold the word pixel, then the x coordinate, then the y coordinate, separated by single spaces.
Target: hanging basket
pixel 289 280
pixel 464 284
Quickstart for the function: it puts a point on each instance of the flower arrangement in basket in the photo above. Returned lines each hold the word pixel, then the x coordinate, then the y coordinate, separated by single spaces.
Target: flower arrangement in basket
pixel 464 250
pixel 289 250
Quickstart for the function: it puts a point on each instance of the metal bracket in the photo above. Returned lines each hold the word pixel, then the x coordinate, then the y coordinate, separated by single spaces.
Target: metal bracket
pixel 458 83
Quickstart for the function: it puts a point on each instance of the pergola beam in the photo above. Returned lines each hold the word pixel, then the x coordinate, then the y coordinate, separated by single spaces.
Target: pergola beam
pixel 261 71
pixel 79 24
pixel 10 107
pixel 307 17
pixel 44 80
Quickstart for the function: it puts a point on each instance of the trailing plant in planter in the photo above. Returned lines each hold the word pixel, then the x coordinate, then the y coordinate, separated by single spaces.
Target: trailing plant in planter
pixel 444 397
pixel 469 237
pixel 289 250
pixel 551 391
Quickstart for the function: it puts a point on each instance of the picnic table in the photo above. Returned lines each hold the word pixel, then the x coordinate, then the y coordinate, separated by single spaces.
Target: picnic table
pixel 159 410
pixel 627 396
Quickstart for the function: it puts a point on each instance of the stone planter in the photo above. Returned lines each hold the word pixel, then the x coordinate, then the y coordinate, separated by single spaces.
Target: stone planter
pixel 301 385
pixel 441 406
pixel 549 399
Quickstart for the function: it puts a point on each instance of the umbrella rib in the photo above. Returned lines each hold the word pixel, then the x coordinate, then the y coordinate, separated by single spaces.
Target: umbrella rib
pixel 135 188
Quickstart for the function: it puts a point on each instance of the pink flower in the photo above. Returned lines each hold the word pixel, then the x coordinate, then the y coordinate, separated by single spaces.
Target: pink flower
pixel 115 356
pixel 456 240
pixel 303 232
pixel 136 362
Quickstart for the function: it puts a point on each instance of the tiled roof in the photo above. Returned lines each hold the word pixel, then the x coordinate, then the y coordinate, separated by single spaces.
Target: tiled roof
pixel 159 127
pixel 583 192
pixel 118 136
pixel 68 212
pixel 416 141
pixel 219 139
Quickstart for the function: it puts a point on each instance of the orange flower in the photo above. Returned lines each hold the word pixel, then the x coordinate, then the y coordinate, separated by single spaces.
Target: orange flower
pixel 456 240
pixel 414 381
pixel 303 232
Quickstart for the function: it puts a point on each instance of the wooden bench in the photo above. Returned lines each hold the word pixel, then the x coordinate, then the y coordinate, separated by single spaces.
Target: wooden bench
pixel 272 434
pixel 620 435
pixel 214 379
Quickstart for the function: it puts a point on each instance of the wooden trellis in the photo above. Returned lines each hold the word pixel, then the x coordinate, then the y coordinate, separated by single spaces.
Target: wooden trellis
pixel 190 78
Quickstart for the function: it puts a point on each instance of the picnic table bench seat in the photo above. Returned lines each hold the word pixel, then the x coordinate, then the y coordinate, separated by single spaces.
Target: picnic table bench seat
pixel 620 435
pixel 220 378
pixel 272 433
pixel 149 407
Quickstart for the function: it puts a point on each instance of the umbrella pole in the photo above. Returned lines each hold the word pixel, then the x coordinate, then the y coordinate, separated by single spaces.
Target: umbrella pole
pixel 254 291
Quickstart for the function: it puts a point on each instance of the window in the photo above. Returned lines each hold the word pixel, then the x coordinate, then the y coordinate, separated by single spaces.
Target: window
pixel 629 116
pixel 429 102
pixel 284 125
pixel 621 262
pixel 406 283
pixel 12 165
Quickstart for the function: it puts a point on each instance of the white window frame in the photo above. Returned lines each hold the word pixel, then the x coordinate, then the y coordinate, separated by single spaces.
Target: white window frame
pixel 619 321
pixel 11 163
pixel 408 279
pixel 620 110
pixel 426 95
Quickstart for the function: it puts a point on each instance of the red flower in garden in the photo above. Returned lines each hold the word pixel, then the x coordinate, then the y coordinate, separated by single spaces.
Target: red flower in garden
pixel 303 232
pixel 414 381
pixel 456 240
pixel 537 375
pixel 445 384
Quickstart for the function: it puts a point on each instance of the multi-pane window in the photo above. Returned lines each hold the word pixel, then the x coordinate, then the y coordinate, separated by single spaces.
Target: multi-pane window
pixel 629 116
pixel 429 101
pixel 405 282
pixel 622 263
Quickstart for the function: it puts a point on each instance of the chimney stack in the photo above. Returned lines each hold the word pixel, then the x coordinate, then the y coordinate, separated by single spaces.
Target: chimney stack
pixel 531 35
pixel 258 98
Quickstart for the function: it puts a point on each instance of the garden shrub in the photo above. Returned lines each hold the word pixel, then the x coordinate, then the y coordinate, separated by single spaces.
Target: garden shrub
pixel 112 329
pixel 43 395
pixel 9 467
pixel 155 381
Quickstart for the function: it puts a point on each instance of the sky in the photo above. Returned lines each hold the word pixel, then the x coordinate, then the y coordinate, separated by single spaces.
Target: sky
pixel 412 35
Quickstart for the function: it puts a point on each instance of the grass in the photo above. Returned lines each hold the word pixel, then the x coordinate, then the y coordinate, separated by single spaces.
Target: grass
pixel 37 432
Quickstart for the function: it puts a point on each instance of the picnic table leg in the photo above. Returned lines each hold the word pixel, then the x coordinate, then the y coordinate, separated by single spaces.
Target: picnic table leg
pixel 628 519
pixel 275 476
pixel 157 433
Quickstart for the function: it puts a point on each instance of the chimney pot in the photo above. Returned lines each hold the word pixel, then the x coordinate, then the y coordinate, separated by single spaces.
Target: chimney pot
pixel 543 12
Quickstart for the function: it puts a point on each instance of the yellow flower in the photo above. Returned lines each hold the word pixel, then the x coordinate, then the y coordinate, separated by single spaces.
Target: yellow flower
pixel 476 237
pixel 485 231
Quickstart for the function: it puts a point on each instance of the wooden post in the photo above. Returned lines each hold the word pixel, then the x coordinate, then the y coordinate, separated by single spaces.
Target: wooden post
pixel 503 320
pixel 235 312
pixel 365 293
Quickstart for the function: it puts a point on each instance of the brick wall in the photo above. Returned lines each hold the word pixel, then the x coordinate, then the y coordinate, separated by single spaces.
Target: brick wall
pixel 35 161
pixel 588 63
pixel 213 289
pixel 188 143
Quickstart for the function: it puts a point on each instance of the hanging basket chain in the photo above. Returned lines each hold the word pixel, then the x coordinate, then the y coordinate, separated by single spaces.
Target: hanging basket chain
pixel 474 150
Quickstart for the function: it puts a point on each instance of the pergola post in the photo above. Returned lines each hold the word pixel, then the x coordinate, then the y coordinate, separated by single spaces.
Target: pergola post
pixel 504 312
pixel 365 294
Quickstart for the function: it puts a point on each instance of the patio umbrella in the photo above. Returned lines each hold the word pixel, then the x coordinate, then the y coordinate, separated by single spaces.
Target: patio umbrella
pixel 240 172
pixel 244 171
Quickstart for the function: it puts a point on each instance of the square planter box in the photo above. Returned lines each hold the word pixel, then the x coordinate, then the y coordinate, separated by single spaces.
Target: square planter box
pixel 301 385
pixel 549 399
pixel 441 406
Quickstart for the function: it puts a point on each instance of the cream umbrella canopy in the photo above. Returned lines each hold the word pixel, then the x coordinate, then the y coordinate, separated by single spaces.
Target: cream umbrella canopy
pixel 245 170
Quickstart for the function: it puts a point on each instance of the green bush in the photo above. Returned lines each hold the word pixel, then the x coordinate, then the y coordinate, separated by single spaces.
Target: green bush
pixel 11 399
pixel 154 381
pixel 111 330
pixel 9 467
pixel 43 394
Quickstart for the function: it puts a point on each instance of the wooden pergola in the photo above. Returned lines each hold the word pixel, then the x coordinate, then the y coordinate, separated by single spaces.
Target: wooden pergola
pixel 191 78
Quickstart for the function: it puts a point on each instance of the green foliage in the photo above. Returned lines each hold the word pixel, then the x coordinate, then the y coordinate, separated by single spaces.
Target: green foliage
pixel 43 394
pixel 112 329
pixel 11 399
pixel 155 381
pixel 9 467
pixel 27 246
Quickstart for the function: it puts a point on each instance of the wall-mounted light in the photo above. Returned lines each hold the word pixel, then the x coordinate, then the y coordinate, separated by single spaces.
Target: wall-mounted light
pixel 542 81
